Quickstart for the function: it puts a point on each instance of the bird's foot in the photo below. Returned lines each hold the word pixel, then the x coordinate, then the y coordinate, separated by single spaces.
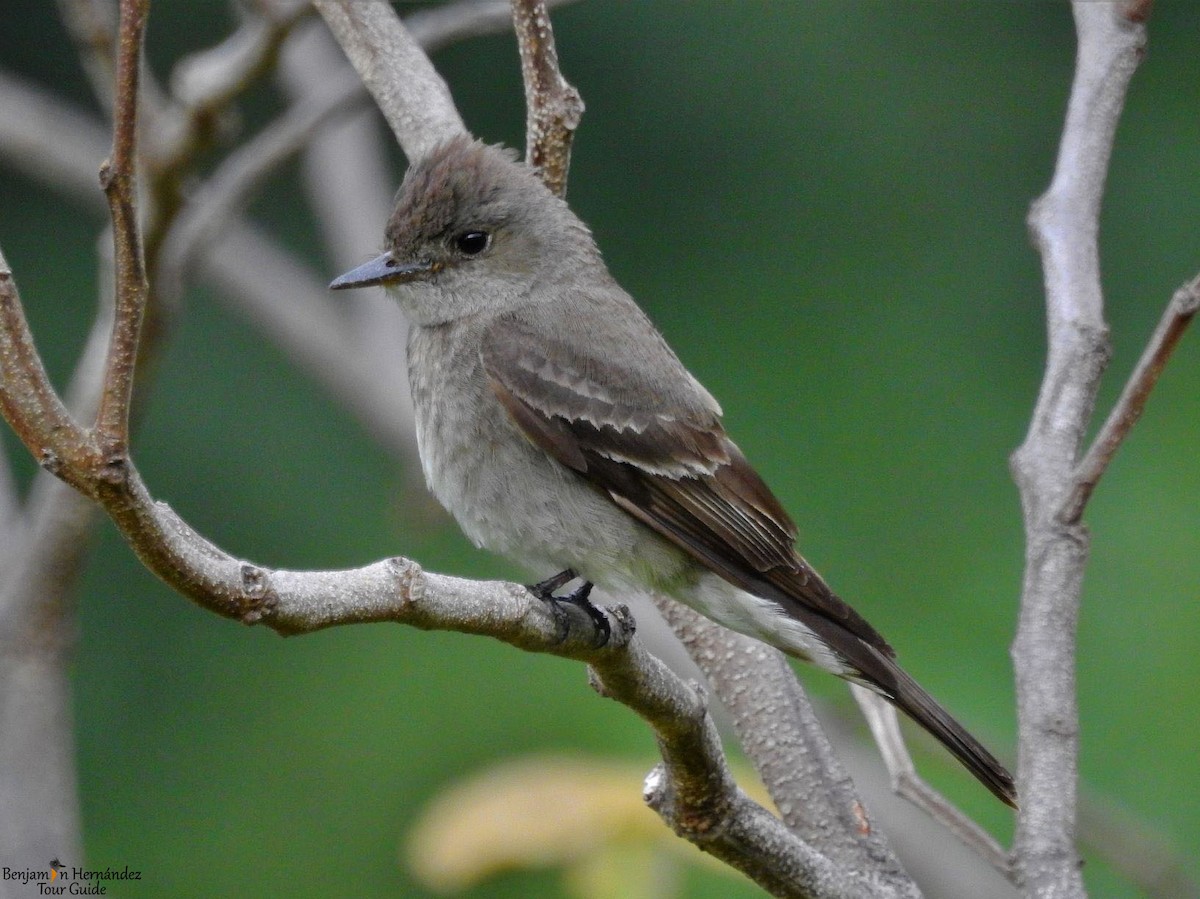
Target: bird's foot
pixel 544 590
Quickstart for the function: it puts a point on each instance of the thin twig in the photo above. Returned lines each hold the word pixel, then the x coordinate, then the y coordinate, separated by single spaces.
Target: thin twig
pixel 439 26
pixel 92 26
pixel 289 303
pixel 1129 406
pixel 553 108
pixel 885 728
pixel 205 84
pixel 224 194
pixel 118 178
pixel 1136 849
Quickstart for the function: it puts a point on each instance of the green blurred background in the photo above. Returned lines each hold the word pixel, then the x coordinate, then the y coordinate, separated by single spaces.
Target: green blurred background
pixel 822 206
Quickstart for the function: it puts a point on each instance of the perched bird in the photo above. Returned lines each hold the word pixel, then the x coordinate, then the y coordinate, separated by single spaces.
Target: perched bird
pixel 559 429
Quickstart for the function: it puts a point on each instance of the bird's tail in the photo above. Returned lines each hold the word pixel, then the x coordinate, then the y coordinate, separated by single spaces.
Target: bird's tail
pixel 911 698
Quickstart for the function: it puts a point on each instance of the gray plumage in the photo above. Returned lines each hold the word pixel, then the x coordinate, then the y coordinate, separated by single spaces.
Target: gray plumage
pixel 559 429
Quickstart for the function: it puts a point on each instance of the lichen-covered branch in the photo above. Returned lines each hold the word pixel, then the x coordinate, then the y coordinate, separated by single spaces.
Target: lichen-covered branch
pixel 553 107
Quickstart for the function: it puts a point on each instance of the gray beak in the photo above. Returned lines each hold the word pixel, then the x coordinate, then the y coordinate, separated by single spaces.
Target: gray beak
pixel 381 270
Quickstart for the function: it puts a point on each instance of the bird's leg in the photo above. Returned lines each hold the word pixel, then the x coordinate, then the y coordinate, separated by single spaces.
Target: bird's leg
pixel 544 590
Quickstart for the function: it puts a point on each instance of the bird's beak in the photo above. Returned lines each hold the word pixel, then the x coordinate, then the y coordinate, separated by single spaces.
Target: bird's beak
pixel 383 269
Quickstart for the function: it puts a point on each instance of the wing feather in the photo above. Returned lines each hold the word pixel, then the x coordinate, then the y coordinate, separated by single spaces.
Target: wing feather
pixel 660 454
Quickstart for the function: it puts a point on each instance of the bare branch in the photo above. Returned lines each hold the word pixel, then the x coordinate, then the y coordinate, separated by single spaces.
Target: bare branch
pixel 1064 223
pixel 1139 853
pixel 750 839
pixel 92 26
pixel 229 189
pixel 214 77
pixel 347 175
pixel 27 398
pixel 885 728
pixel 117 178
pixel 1128 409
pixel 553 108
pixel 411 94
pixel 50 140
pixel 290 303
pixel 439 26
pixel 754 682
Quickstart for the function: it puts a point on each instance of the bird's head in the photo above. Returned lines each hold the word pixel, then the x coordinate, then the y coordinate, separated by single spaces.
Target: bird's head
pixel 473 230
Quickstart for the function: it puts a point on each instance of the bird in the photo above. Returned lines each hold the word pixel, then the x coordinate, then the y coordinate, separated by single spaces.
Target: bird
pixel 559 429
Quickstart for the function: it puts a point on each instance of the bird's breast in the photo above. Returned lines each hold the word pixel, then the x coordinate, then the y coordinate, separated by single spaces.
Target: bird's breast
pixel 506 494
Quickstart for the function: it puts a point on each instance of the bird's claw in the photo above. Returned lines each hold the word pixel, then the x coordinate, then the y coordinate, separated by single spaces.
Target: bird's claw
pixel 544 590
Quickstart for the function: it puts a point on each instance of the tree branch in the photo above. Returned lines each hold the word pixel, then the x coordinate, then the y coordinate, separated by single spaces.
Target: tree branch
pixel 411 94
pixel 1128 409
pixel 885 728
pixel 457 20
pixel 781 736
pixel 223 196
pixel 553 108
pixel 27 398
pixel 117 177
pixel 1064 223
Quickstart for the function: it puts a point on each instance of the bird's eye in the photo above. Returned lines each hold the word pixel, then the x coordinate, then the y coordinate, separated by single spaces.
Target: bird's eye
pixel 472 243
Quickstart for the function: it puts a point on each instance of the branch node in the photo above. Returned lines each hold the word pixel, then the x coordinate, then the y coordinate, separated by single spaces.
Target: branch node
pixel 114 469
pixel 410 580
pixel 254 580
pixel 258 598
pixel 106 175
pixel 50 461
pixel 700 691
pixel 624 625
pixel 654 788
pixel 698 823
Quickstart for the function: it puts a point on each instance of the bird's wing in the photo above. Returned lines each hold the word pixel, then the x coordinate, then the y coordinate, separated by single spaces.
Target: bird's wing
pixel 643 430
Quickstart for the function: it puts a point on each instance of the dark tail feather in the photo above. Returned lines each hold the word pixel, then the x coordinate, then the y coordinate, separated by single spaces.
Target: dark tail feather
pixel 908 696
pixel 878 670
